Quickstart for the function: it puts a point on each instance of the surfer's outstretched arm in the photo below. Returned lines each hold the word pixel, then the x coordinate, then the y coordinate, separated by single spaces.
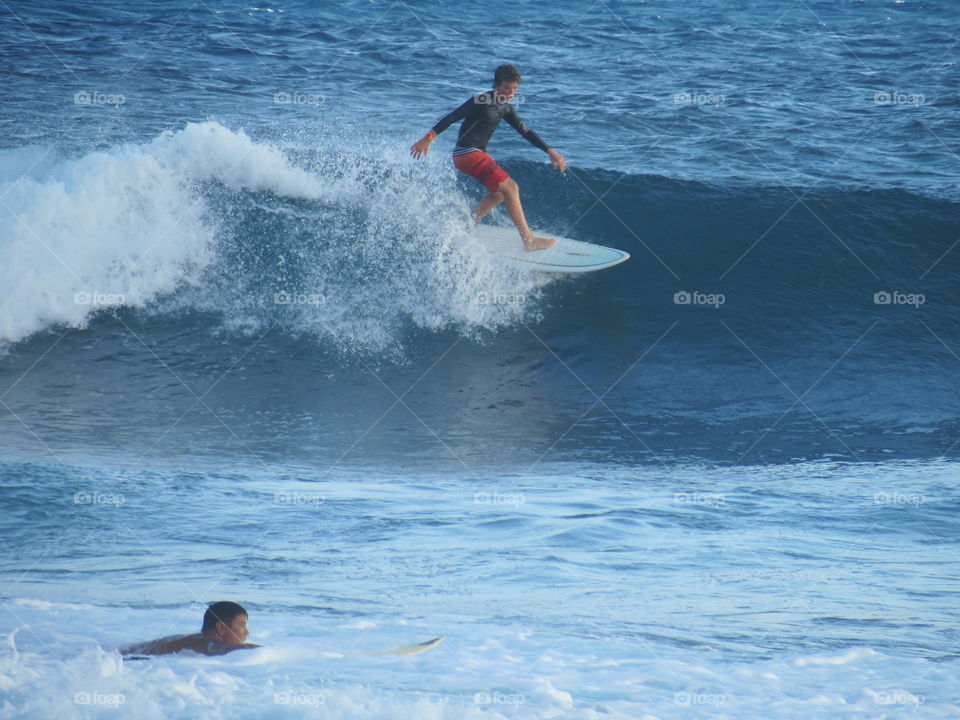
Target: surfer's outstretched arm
pixel 556 159
pixel 422 146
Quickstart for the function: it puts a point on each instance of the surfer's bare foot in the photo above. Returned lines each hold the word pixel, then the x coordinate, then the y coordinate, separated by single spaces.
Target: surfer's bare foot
pixel 534 242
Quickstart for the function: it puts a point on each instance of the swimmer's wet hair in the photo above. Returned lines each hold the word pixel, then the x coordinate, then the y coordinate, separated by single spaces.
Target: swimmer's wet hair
pixel 506 73
pixel 223 611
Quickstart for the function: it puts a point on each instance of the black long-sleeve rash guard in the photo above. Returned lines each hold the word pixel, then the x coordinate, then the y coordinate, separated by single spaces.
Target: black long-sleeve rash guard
pixel 481 115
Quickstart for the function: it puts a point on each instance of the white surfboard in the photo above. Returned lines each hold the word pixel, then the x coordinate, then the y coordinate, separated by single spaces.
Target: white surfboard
pixel 407 649
pixel 567 256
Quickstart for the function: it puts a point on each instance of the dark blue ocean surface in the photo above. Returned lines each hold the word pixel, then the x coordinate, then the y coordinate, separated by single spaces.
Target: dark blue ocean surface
pixel 817 93
pixel 249 350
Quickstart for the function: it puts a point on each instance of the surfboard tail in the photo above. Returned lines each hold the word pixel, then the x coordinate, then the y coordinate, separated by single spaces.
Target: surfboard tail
pixel 415 649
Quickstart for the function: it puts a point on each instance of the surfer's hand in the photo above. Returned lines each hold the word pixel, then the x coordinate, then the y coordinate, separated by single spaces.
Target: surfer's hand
pixel 557 160
pixel 422 146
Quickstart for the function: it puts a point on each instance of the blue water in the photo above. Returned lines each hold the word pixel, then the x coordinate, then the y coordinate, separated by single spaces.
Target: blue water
pixel 248 352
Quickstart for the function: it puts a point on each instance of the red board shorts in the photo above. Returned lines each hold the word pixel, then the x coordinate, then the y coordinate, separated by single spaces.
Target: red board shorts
pixel 481 166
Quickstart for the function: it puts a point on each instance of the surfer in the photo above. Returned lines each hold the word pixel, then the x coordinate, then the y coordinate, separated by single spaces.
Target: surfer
pixel 481 115
pixel 224 630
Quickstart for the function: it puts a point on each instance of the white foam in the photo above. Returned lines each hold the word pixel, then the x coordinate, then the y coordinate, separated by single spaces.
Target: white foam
pixel 130 224
pixel 118 227
pixel 208 150
pixel 468 677
pixel 564 698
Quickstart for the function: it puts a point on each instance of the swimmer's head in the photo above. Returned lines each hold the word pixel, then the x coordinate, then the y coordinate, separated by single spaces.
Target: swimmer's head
pixel 506 73
pixel 506 81
pixel 226 621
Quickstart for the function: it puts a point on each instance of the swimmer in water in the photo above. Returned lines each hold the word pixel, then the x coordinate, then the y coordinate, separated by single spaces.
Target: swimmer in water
pixel 224 630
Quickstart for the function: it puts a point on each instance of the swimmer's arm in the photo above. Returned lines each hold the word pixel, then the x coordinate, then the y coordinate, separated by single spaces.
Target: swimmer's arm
pixel 178 643
pixel 422 146
pixel 165 645
pixel 556 159
pixel 458 114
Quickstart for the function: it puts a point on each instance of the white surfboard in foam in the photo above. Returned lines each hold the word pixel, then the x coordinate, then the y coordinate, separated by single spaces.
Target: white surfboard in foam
pixel 407 649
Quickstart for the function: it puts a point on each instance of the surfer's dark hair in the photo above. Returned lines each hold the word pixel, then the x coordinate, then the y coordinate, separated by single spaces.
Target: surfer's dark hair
pixel 223 611
pixel 506 73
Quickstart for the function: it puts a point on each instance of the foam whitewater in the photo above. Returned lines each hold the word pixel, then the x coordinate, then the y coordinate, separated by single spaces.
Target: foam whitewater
pixel 206 219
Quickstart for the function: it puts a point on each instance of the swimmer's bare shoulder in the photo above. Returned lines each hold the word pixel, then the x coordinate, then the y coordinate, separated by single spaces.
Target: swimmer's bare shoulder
pixel 197 643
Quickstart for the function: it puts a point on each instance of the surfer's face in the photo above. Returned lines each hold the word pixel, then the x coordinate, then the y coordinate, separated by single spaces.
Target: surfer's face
pixel 505 91
pixel 236 632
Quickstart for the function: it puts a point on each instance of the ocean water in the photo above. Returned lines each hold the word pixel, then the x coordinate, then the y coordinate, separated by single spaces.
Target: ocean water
pixel 248 352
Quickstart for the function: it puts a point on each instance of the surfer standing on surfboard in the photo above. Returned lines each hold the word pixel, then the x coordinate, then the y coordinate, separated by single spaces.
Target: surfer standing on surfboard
pixel 481 115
